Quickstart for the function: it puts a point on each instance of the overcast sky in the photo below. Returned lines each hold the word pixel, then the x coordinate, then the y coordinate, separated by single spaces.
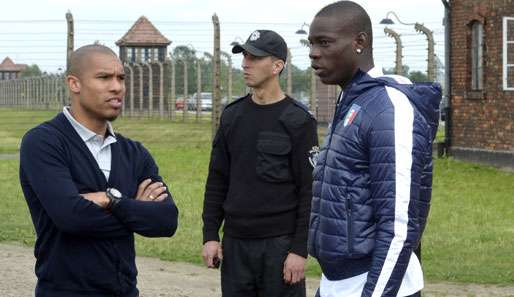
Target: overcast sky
pixel 42 40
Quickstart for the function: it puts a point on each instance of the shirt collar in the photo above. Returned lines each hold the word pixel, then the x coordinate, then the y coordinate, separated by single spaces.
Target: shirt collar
pixel 82 131
pixel 375 72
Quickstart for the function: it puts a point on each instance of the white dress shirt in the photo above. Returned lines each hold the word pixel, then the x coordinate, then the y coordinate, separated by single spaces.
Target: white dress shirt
pixel 98 145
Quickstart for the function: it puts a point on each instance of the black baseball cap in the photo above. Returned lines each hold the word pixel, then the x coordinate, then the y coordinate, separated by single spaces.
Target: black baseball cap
pixel 263 43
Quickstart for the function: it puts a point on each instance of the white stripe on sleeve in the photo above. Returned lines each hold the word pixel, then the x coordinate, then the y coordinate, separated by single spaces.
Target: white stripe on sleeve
pixel 403 141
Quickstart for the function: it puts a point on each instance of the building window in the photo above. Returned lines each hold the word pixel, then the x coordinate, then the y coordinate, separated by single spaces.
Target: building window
pixel 147 55
pixel 131 57
pixel 508 53
pixel 161 54
pixel 141 54
pixel 477 52
pixel 154 54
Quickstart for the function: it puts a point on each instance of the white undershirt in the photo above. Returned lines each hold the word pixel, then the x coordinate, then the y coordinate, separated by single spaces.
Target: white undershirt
pixel 98 145
pixel 352 287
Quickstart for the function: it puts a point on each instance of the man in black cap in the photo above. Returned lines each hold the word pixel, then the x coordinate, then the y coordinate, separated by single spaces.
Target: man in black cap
pixel 260 180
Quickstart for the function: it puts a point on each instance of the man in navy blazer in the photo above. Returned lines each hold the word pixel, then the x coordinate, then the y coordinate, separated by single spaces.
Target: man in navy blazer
pixel 90 189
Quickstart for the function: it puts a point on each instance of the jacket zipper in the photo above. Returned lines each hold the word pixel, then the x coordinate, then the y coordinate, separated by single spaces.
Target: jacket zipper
pixel 349 223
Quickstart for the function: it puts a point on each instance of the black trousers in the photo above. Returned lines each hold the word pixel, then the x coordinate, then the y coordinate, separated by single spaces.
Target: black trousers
pixel 254 268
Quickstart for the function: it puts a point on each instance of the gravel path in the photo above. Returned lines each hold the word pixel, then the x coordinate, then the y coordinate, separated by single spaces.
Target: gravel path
pixel 171 279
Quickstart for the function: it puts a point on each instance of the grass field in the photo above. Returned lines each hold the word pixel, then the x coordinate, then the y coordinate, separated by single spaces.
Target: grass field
pixel 469 238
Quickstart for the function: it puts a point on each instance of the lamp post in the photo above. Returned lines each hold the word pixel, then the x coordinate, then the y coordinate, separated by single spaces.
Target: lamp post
pixel 430 38
pixel 301 30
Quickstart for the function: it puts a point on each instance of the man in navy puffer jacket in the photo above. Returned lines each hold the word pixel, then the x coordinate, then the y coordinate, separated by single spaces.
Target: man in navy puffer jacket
pixel 373 176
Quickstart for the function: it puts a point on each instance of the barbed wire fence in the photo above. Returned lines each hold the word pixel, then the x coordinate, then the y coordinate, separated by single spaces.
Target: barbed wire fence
pixel 180 87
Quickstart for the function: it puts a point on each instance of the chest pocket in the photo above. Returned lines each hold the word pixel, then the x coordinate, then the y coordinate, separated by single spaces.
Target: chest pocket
pixel 273 157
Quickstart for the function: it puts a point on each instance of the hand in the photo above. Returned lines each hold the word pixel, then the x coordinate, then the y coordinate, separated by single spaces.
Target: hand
pixel 148 191
pixel 212 254
pixel 294 268
pixel 98 198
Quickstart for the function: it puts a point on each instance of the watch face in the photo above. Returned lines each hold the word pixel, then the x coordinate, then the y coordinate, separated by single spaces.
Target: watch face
pixel 115 193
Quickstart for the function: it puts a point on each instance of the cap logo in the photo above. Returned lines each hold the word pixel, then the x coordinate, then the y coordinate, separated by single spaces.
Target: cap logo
pixel 255 35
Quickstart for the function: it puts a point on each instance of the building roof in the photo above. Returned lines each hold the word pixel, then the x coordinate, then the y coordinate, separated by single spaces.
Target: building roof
pixel 8 65
pixel 143 32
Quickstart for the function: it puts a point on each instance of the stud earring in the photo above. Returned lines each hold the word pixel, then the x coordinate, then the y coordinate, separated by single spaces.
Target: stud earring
pixel 358 51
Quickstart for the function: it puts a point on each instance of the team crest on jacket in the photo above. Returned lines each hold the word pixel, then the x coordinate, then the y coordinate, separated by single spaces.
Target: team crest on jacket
pixel 351 114
pixel 313 155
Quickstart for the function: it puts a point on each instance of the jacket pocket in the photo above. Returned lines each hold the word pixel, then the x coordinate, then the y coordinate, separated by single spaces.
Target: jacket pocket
pixel 273 157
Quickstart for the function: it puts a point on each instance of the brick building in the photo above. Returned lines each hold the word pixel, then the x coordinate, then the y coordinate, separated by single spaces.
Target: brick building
pixel 482 81
pixel 10 70
pixel 326 101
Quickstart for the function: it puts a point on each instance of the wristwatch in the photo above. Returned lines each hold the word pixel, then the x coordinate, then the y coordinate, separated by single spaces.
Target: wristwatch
pixel 114 197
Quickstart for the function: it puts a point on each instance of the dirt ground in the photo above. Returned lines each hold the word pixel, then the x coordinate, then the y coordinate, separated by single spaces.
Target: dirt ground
pixel 171 279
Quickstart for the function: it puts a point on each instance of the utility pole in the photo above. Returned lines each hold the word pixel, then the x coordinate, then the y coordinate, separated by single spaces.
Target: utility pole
pixel 398 61
pixel 198 89
pixel 173 97
pixel 184 108
pixel 430 38
pixel 216 68
pixel 69 48
pixel 431 56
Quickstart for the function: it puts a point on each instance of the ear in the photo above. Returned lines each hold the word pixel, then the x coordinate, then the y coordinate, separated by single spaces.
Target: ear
pixel 73 83
pixel 278 65
pixel 361 41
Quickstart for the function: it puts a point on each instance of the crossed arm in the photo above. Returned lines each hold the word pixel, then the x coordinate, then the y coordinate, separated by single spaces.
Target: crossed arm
pixel 146 191
pixel 49 186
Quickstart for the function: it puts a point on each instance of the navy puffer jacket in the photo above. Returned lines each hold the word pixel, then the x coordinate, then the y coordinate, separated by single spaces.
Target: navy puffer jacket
pixel 372 181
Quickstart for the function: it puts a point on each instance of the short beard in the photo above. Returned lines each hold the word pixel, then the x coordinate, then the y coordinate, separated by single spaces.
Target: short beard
pixel 113 118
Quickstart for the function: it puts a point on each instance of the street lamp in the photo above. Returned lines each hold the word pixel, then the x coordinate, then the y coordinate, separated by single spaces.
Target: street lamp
pixel 388 21
pixel 301 30
pixel 430 39
pixel 304 41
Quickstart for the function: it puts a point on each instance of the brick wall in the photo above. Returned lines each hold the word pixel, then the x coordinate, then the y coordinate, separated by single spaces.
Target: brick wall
pixel 481 120
pixel 326 96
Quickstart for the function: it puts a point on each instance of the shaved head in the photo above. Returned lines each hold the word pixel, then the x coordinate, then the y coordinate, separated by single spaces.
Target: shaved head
pixel 80 57
pixel 353 18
